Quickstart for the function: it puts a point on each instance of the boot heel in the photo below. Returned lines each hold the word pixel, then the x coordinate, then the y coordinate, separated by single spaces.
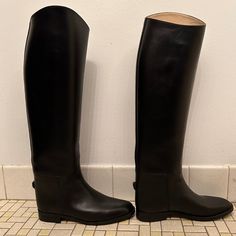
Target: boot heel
pixel 49 217
pixel 147 217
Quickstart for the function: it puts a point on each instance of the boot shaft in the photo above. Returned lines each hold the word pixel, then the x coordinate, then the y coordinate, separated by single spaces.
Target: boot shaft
pixel 166 66
pixel 53 74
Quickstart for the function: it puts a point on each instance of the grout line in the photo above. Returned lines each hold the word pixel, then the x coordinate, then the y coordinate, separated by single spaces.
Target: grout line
pixel 4 204
pixel 182 225
pixel 117 225
pixel 189 170
pixel 216 227
pixel 226 225
pixel 229 169
pixel 112 181
pixel 73 228
pixel 4 182
pixel 189 175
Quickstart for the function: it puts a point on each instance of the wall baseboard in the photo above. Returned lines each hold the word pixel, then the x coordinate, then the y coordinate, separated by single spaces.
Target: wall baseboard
pixel 113 180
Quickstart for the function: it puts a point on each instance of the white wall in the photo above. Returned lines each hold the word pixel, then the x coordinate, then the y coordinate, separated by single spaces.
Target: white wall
pixel 108 106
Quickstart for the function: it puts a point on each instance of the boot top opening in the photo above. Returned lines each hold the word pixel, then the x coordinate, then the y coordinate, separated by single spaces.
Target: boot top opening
pixel 176 18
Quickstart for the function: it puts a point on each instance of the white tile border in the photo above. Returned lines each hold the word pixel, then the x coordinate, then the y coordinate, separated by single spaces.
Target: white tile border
pixel 18 182
pixel 209 180
pixel 232 183
pixel 99 177
pixel 15 181
pixel 123 178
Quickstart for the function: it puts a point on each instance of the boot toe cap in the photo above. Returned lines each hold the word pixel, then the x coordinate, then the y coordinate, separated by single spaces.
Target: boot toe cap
pixel 216 207
pixel 219 205
pixel 122 208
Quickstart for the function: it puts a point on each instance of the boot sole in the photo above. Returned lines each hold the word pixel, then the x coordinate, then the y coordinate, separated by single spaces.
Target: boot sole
pixel 149 217
pixel 57 218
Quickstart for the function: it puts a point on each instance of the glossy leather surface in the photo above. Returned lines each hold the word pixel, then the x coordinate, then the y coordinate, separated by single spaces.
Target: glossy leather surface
pixel 166 65
pixel 55 55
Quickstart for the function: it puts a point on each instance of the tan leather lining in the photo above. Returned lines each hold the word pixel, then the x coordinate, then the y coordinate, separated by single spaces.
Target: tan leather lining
pixel 177 18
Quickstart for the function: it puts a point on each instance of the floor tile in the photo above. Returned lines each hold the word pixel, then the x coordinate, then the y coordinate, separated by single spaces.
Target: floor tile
pixel 203 223
pixel 3 202
pixel 107 227
pixel 21 218
pixel 221 226
pixel 18 219
pixel 64 226
pixel 155 226
pixel 3 231
pixel 60 232
pixel 44 232
pixel 194 229
pixel 167 234
pixel 7 206
pixel 128 228
pixel 155 233
pixel 91 227
pixel 196 234
pixel 6 225
pixel 232 226
pixel 172 225
pixel 187 222
pixel 99 233
pixel 43 225
pixel 88 233
pixel 144 230
pixel 78 230
pixel 110 233
pixel 14 229
pixel 127 233
pixel 33 232
pixel 30 223
pixel 23 232
pixel 20 211
pixel 16 206
pixel 212 231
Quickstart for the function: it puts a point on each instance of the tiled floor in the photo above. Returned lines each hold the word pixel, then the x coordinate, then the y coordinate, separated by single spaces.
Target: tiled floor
pixel 21 218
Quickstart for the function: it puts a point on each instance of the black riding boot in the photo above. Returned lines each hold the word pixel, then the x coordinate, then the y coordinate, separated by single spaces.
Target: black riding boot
pixel 54 67
pixel 166 65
